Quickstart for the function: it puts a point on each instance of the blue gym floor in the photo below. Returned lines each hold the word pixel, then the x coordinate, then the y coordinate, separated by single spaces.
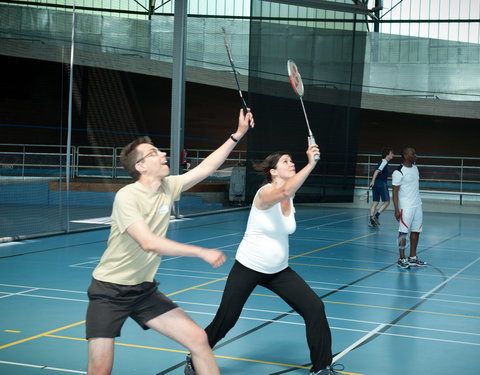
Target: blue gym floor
pixel 384 320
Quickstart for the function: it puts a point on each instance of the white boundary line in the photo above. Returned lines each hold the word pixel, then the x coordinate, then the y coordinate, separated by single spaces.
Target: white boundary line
pixel 19 293
pixel 345 329
pixel 336 222
pixel 369 334
pixel 383 325
pixel 42 367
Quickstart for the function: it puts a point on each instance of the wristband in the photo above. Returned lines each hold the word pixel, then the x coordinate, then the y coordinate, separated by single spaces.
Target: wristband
pixel 233 138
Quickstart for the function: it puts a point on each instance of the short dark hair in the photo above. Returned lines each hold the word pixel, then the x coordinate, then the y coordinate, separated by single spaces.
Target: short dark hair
pixel 386 151
pixel 405 150
pixel 130 155
pixel 270 162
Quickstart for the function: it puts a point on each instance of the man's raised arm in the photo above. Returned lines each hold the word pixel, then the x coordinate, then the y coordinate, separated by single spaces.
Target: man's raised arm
pixel 213 161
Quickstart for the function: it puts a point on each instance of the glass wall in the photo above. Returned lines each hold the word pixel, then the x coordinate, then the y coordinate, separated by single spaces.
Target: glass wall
pixel 454 20
pixel 80 87
pixel 82 84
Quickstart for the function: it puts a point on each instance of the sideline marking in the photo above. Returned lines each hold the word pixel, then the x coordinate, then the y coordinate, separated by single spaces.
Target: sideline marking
pixel 333 245
pixel 382 326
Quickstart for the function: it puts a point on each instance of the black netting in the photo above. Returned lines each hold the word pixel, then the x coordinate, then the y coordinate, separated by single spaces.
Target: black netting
pixel 331 64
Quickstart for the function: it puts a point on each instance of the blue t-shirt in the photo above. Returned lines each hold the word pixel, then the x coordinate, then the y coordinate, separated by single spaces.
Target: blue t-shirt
pixel 382 176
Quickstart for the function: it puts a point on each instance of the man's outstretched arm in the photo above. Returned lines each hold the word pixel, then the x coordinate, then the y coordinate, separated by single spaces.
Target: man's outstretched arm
pixel 213 161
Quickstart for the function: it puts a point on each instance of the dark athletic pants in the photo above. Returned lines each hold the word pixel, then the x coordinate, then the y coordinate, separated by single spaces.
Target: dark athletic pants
pixel 292 289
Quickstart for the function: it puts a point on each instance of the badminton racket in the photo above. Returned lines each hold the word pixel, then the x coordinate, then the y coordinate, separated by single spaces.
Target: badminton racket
pixel 234 69
pixel 365 196
pixel 297 85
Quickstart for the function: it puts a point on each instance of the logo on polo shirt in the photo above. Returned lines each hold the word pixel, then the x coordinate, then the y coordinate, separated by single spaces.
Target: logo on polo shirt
pixel 163 209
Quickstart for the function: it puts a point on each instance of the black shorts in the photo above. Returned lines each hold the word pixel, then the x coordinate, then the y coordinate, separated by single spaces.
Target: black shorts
pixel 111 304
pixel 380 191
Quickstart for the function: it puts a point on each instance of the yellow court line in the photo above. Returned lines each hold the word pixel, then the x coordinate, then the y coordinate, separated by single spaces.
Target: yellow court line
pixel 83 321
pixel 186 352
pixel 400 309
pixel 381 271
pixel 252 294
pixel 40 335
pixel 333 245
pixel 359 304
pixel 11 331
pixel 122 344
pixel 196 286
pixel 174 293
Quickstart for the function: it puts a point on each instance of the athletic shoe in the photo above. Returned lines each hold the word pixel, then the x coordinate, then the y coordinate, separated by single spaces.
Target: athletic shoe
pixel 414 261
pixel 329 370
pixel 375 218
pixel 189 366
pixel 372 223
pixel 403 263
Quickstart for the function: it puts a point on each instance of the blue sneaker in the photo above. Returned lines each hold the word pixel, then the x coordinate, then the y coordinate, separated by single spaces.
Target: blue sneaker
pixel 329 370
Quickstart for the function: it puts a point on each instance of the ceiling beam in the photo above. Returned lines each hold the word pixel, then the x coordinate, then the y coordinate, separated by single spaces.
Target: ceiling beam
pixel 328 5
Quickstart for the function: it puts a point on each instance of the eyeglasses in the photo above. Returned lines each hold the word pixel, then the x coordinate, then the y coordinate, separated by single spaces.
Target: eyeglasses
pixel 153 152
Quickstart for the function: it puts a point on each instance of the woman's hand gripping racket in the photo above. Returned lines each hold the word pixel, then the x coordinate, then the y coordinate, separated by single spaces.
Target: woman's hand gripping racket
pixel 234 69
pixel 297 85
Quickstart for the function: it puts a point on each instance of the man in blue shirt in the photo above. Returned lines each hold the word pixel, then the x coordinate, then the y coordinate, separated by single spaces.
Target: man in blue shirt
pixel 379 187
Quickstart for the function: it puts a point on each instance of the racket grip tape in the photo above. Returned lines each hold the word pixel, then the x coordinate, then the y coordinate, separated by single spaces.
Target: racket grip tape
pixel 311 141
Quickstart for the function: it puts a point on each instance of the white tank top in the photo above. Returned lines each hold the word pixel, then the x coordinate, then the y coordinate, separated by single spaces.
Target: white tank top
pixel 264 247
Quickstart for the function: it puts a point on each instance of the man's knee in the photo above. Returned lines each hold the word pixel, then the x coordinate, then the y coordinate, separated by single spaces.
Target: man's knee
pixel 402 240
pixel 100 356
pixel 198 337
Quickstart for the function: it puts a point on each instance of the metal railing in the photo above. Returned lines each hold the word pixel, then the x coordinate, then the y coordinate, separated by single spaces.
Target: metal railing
pixel 447 175
pixel 459 176
pixel 27 160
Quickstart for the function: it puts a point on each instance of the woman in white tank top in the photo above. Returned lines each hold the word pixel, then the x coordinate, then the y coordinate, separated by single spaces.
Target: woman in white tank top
pixel 262 259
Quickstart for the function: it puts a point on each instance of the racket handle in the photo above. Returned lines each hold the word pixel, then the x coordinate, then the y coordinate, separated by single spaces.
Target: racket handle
pixel 311 141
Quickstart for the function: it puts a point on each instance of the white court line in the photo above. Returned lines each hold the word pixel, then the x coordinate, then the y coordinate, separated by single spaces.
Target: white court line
pixel 312 283
pixel 188 276
pixel 336 222
pixel 221 274
pixel 417 328
pixel 81 264
pixel 394 251
pixel 97 220
pixel 381 326
pixel 90 267
pixel 383 288
pixel 348 260
pixel 55 298
pixel 287 313
pixel 19 293
pixel 42 367
pixel 345 329
pixel 16 243
pixel 397 296
pixel 215 237
pixel 108 220
pixel 321 217
pixel 42 288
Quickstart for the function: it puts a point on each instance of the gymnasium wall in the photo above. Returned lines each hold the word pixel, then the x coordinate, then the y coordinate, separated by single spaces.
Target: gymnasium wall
pixel 33 108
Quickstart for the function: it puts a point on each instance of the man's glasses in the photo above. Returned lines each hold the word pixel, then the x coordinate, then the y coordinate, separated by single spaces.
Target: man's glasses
pixel 153 152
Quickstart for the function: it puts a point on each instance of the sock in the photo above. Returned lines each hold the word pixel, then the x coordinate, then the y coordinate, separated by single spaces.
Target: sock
pixel 377 215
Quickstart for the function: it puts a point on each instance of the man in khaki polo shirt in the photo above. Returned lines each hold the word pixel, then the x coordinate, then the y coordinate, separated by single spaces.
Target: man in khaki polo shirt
pixel 123 283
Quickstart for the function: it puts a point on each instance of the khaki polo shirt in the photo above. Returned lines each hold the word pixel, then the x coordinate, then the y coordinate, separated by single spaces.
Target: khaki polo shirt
pixel 124 261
